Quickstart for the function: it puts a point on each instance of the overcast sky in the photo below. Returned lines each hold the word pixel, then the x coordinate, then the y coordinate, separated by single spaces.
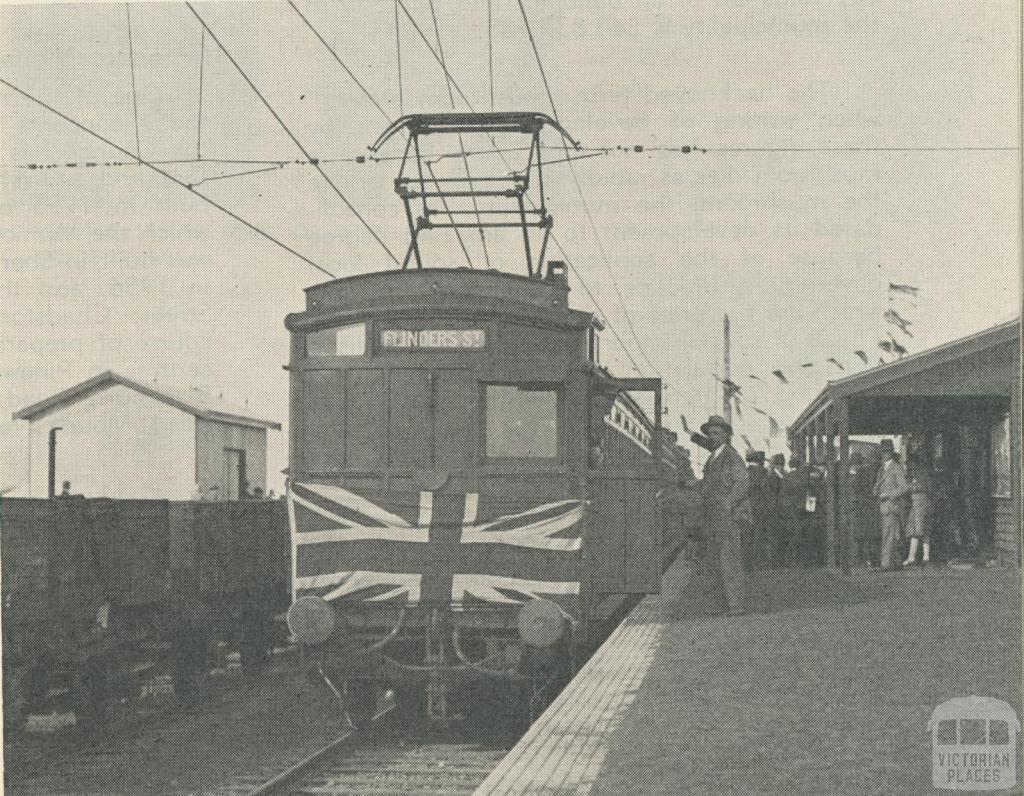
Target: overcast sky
pixel 118 268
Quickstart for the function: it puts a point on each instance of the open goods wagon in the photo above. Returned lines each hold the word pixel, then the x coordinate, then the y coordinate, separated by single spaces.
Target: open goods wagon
pixel 97 592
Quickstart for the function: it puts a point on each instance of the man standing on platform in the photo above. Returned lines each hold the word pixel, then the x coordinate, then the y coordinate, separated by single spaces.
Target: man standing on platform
pixel 725 490
pixel 891 491
pixel 799 504
pixel 758 547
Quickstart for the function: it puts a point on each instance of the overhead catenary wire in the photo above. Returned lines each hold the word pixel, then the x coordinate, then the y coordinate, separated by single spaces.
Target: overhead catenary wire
pixel 131 68
pixel 583 199
pixel 490 49
pixel 462 146
pixel 295 140
pixel 331 50
pixel 169 176
pixel 398 58
pixel 237 174
pixel 199 115
pixel 554 238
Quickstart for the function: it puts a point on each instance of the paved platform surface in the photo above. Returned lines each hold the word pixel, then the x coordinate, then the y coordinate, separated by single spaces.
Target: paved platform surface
pixel 824 687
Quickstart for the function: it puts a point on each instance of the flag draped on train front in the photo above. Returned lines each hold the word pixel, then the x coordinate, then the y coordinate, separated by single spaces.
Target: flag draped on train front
pixel 434 548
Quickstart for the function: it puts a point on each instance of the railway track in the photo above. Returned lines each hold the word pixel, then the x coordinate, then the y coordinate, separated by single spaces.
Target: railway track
pixel 390 757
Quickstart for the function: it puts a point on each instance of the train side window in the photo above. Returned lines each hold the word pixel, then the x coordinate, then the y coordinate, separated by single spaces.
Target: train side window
pixel 340 341
pixel 998 732
pixel 521 422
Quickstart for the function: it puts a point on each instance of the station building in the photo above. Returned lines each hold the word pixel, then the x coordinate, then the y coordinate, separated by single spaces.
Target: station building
pixel 957 405
pixel 119 437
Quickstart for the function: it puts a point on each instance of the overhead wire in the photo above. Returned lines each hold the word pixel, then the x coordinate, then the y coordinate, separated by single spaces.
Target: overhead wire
pixel 462 145
pixel 295 140
pixel 199 115
pixel 398 57
pixel 583 199
pixel 330 49
pixel 554 238
pixel 169 176
pixel 131 66
pixel 237 174
pixel 490 50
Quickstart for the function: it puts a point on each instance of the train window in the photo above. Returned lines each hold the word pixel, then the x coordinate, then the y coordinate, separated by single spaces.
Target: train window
pixel 522 422
pixel 972 732
pixel 998 732
pixel 947 732
pixel 340 341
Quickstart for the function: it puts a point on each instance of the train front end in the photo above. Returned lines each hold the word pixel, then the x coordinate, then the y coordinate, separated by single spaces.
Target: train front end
pixel 437 489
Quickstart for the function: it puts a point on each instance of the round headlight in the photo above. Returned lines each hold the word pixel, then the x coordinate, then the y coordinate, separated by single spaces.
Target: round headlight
pixel 311 620
pixel 540 623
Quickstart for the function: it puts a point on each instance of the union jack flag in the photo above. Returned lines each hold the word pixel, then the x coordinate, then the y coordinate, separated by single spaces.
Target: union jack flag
pixel 437 548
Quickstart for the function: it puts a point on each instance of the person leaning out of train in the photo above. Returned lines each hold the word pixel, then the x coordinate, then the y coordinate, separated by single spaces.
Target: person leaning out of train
pixel 920 520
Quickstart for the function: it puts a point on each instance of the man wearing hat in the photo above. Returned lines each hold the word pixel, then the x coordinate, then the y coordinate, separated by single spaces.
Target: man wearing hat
pixel 776 525
pixel 891 491
pixel 757 549
pixel 725 490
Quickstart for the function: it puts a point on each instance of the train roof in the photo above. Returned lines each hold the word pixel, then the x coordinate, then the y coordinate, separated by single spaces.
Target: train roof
pixel 440 292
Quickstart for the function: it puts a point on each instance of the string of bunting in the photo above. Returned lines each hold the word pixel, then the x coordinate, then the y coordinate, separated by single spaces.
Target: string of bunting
pixel 892 317
pixel 891 345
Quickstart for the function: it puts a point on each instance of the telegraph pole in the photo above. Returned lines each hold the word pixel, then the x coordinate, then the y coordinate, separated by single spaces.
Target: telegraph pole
pixel 726 376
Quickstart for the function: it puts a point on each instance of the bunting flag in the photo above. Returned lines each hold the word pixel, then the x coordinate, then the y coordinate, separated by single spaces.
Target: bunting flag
pixel 894 318
pixel 897 348
pixel 863 355
pixel 885 345
pixel 739 414
pixel 746 442
pixel 773 427
pixel 908 290
pixel 780 376
pixel 881 361
pixel 807 365
pixel 755 378
pixel 759 411
pixel 731 386
pixel 686 428
pixel 836 362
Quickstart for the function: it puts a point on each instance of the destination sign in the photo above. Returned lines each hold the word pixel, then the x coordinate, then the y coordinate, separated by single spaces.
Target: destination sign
pixel 433 338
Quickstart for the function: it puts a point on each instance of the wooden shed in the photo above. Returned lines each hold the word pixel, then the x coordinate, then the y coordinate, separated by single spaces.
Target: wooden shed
pixel 958 402
pixel 120 437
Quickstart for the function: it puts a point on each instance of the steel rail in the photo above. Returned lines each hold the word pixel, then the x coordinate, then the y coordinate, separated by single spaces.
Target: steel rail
pixel 289 775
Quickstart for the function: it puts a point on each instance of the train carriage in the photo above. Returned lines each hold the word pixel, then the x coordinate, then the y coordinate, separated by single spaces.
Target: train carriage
pixel 470 492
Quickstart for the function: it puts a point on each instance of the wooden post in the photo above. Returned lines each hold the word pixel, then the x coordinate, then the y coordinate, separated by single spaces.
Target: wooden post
pixel 844 518
pixel 830 488
pixel 1015 452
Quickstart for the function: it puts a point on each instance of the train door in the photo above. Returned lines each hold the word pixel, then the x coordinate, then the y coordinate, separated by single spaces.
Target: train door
pixel 625 536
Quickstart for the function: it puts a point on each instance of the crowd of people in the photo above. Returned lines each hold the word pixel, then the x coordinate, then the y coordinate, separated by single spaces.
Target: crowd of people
pixel 759 513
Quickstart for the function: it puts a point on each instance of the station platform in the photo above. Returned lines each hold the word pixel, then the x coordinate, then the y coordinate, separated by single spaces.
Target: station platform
pixel 825 685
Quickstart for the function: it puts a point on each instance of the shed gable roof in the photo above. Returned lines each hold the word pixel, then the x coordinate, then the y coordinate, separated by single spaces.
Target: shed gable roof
pixel 194 402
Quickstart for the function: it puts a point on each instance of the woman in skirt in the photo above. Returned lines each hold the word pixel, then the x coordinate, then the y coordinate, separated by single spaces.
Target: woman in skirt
pixel 919 526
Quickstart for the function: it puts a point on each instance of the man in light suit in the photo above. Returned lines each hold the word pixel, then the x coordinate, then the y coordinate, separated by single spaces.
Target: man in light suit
pixel 891 491
pixel 725 490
